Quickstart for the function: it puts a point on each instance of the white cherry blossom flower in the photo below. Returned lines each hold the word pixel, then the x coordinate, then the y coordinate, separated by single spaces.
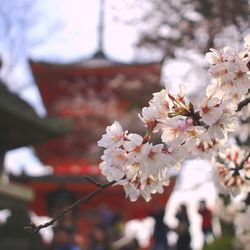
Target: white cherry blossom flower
pixel 150 116
pixel 113 138
pixel 231 181
pixel 166 173
pixel 210 110
pixel 231 69
pixel 176 153
pixel 219 70
pixel 194 134
pixel 154 160
pixel 234 169
pixel 226 123
pixel 117 156
pixel 214 56
pixel 161 103
pixel 207 150
pixel 150 185
pixel 112 172
pixel 133 170
pixel 238 75
pixel 229 54
pixel 134 142
pixel 221 127
pixel 135 147
pixel 130 188
pixel 173 129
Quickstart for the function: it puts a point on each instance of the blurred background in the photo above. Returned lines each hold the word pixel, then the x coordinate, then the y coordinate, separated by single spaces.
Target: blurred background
pixel 68 69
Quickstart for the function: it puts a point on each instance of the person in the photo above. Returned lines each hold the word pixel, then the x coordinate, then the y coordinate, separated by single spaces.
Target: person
pixel 132 245
pixel 206 225
pixel 99 238
pixel 160 241
pixel 64 239
pixel 184 238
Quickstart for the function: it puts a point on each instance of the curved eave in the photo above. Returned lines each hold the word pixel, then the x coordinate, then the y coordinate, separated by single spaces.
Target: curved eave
pixel 91 63
pixel 45 69
pixel 21 126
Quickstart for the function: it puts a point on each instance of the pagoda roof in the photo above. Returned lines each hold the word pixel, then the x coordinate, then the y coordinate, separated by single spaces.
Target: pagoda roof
pixel 13 195
pixel 21 126
pixel 98 60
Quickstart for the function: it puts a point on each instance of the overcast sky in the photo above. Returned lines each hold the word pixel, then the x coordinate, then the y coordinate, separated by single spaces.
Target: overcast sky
pixel 78 37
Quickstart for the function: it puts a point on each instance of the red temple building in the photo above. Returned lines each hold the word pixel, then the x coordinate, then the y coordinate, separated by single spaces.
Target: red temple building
pixel 93 93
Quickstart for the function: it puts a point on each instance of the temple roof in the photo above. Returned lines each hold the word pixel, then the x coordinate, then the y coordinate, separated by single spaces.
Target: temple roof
pixel 21 126
pixel 98 60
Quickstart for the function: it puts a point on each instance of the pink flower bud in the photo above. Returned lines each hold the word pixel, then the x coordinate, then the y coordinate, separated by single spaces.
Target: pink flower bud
pixel 182 126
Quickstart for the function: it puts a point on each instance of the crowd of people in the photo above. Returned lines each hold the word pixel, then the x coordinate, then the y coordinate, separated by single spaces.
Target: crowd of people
pixel 110 229
pixel 182 229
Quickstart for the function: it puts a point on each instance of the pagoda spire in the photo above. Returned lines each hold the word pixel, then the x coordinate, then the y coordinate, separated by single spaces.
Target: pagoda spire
pixel 100 53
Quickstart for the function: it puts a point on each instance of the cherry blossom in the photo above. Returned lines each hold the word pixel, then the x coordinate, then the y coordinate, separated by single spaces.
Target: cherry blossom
pixel 227 122
pixel 135 147
pixel 210 110
pixel 186 130
pixel 174 129
pixel 233 169
pixel 154 160
pixel 150 185
pixel 149 115
pixel 214 56
pixel 231 70
pixel 114 136
pixel 161 103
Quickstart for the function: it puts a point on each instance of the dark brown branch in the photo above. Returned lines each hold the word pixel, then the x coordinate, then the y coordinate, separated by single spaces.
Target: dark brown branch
pixel 244 161
pixel 242 104
pixel 35 229
pixel 98 184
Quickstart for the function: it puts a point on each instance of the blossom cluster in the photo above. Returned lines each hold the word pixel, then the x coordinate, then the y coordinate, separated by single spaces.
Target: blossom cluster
pixel 186 130
pixel 233 169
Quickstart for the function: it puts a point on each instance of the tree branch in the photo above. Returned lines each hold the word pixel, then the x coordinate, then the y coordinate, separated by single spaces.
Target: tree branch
pixel 98 184
pixel 243 103
pixel 244 161
pixel 32 228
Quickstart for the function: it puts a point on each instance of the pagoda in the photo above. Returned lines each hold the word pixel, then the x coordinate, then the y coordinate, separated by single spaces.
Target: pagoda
pixel 93 93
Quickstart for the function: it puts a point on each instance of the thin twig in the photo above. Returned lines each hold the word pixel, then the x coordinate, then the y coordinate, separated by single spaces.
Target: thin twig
pixel 243 103
pixel 35 229
pixel 98 184
pixel 243 162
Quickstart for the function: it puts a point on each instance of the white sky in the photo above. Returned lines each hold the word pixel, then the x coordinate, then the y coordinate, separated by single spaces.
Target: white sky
pixel 79 37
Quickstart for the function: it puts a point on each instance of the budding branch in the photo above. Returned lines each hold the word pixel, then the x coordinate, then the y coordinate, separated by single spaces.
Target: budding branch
pixel 243 103
pixel 35 229
pixel 244 161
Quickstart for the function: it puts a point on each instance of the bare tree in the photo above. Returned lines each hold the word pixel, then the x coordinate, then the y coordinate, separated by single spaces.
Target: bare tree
pixel 165 25
pixel 24 25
